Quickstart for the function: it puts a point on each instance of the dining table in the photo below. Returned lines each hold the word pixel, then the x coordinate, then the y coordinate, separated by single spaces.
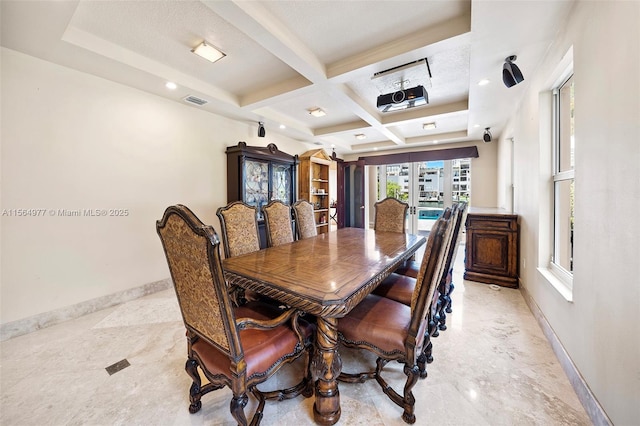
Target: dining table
pixel 326 276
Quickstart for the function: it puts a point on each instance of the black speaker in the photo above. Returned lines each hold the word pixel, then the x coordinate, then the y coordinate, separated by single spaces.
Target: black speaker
pixel 511 74
pixel 487 135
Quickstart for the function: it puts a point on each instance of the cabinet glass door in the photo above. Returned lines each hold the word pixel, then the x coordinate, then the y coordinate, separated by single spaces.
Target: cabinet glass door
pixel 281 183
pixel 256 183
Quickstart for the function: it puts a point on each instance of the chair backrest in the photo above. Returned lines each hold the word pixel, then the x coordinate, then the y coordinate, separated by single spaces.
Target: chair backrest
pixel 457 234
pixel 427 282
pixel 451 242
pixel 239 225
pixel 305 219
pixel 277 219
pixel 192 250
pixel 390 215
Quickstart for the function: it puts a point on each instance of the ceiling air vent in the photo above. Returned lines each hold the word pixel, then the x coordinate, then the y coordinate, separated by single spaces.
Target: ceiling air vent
pixel 195 100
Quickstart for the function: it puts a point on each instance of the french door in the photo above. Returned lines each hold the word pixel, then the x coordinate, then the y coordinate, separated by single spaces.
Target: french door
pixel 428 187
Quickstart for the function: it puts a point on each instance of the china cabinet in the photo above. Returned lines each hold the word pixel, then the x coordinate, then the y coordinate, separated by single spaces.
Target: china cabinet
pixel 314 185
pixel 257 175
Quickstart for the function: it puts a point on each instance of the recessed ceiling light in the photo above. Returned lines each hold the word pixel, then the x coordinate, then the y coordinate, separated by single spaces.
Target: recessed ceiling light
pixel 476 125
pixel 360 136
pixel 208 52
pixel 375 148
pixel 435 141
pixel 317 112
pixel 429 126
pixel 171 85
pixel 282 126
pixel 484 82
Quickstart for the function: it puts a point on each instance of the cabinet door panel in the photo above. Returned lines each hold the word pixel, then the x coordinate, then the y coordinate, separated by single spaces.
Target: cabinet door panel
pixel 256 183
pixel 281 182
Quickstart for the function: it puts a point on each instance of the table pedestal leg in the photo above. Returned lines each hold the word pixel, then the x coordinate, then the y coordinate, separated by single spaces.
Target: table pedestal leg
pixel 327 366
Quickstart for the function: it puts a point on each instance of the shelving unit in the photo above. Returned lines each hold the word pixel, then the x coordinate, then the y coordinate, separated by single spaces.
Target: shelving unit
pixel 314 185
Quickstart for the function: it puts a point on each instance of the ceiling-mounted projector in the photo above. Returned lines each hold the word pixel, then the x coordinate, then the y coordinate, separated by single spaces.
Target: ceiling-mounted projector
pixel 403 99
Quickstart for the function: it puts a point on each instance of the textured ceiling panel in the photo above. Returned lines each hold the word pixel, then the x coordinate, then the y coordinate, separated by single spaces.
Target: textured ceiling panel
pixel 167 31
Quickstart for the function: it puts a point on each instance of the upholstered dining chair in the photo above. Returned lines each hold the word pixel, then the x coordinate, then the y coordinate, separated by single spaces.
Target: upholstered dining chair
pixel 394 331
pixel 390 215
pixel 399 287
pixel 305 220
pixel 239 225
pixel 239 347
pixel 277 219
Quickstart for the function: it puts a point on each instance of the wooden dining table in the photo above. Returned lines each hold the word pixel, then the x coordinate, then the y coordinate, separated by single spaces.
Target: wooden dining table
pixel 326 276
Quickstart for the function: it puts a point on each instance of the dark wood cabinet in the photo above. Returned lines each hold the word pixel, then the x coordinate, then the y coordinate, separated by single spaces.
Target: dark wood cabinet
pixel 492 247
pixel 259 174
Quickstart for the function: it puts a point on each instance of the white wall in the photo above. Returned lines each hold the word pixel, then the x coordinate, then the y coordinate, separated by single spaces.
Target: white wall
pixel 600 329
pixel 74 141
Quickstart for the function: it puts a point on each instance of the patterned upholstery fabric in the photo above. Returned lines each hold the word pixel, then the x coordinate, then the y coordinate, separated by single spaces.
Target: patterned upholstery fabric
pixel 305 221
pixel 239 228
pixel 390 215
pixel 277 217
pixel 237 347
pixel 442 229
pixel 186 252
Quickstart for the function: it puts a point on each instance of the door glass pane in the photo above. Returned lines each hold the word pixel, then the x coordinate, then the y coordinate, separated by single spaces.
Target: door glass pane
pixel 564 192
pixel 430 193
pixel 280 184
pixel 397 182
pixel 256 183
pixel 461 173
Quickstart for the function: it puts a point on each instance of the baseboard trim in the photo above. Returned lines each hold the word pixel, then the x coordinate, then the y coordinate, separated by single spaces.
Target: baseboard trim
pixel 588 400
pixel 47 319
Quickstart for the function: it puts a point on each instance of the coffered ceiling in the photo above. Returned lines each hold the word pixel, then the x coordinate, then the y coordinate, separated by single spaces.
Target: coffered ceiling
pixel 286 57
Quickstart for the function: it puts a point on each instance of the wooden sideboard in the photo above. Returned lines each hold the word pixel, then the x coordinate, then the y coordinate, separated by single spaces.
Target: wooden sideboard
pixel 492 247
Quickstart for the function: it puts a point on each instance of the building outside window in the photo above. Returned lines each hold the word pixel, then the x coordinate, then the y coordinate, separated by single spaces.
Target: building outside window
pixel 563 179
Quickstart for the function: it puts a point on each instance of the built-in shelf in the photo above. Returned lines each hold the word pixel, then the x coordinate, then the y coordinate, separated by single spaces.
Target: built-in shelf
pixel 314 185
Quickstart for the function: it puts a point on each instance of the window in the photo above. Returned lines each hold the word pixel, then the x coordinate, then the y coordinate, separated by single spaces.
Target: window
pixel 563 179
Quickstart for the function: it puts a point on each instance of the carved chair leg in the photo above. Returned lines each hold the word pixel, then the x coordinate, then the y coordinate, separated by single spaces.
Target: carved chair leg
pixel 237 408
pixel 448 307
pixel 409 400
pixel 428 352
pixel 442 315
pixel 422 365
pixel 191 367
pixel 433 326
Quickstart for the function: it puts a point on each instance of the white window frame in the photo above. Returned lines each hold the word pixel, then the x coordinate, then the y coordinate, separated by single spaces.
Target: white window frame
pixel 559 272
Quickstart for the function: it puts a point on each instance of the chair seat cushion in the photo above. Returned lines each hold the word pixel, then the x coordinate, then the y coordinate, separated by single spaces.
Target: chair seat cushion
pixel 397 287
pixel 263 349
pixel 381 322
pixel 410 269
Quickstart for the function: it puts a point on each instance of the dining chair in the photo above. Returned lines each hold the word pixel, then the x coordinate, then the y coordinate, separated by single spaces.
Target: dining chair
pixel 447 286
pixel 304 219
pixel 235 346
pixel 240 235
pixel 390 215
pixel 394 331
pixel 239 225
pixel 399 287
pixel 277 219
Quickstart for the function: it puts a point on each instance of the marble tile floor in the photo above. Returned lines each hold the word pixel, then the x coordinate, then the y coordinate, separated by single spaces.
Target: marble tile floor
pixel 493 366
